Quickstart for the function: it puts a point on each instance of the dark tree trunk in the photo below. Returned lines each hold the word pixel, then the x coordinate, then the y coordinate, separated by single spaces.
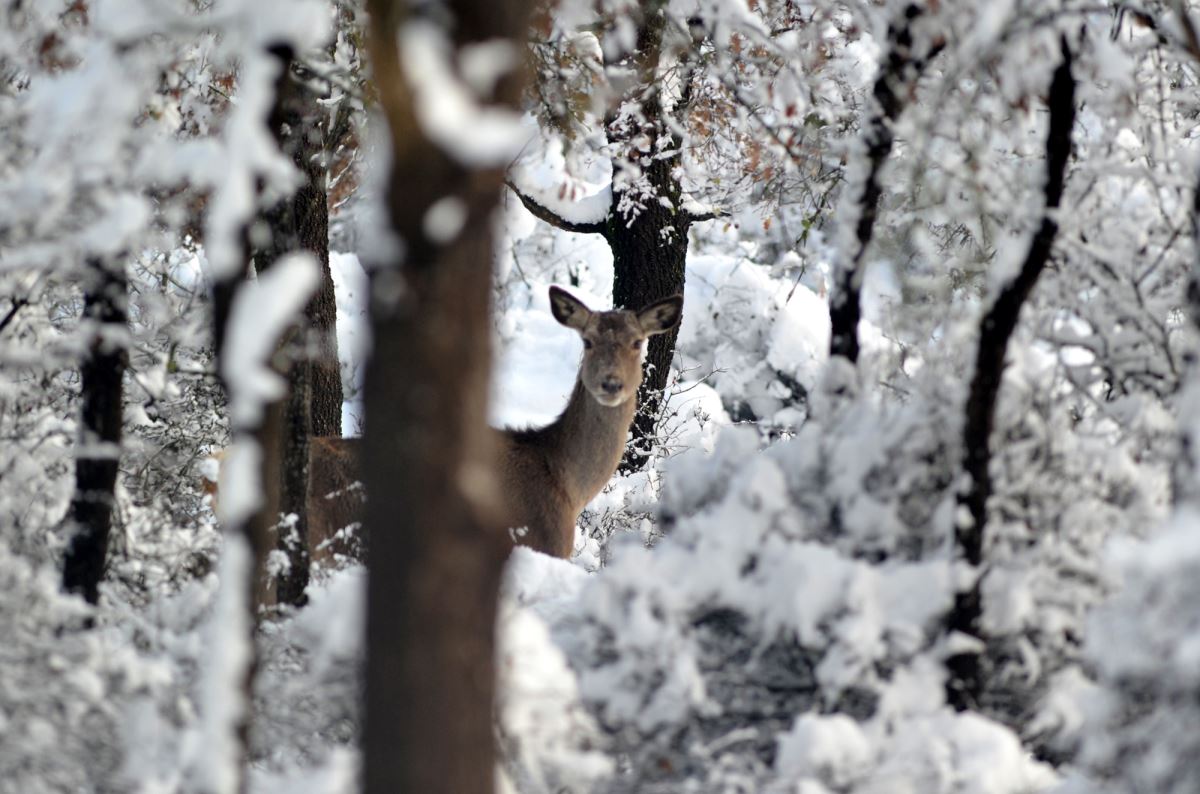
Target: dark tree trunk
pixel 436 547
pixel 649 255
pixel 101 393
pixel 650 249
pixel 966 675
pixel 314 405
pixel 1184 485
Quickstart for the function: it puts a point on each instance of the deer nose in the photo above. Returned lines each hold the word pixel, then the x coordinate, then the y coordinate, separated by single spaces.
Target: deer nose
pixel 610 385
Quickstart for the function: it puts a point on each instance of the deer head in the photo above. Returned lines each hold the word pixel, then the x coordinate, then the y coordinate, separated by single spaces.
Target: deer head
pixel 613 342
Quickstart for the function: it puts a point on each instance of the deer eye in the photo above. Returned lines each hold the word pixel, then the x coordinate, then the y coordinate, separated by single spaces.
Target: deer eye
pixel 587 344
pixel 637 344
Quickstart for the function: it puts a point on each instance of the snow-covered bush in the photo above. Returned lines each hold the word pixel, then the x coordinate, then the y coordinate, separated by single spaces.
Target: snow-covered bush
pixel 814 577
pixel 1138 720
pixel 760 340
pixel 697 657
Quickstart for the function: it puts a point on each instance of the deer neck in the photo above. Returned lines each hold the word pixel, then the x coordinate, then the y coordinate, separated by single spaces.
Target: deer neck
pixel 590 441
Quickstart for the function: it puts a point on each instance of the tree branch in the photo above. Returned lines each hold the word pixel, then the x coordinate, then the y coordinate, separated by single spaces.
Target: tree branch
pixel 553 218
pixel 901 67
pixel 965 682
pixel 706 216
pixel 17 305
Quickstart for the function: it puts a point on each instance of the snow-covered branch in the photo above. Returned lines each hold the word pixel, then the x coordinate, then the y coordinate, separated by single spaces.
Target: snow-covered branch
pixel 901 67
pixel 994 333
pixel 556 219
pixel 706 216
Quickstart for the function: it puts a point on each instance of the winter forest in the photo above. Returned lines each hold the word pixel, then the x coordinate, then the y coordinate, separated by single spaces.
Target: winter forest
pixel 600 396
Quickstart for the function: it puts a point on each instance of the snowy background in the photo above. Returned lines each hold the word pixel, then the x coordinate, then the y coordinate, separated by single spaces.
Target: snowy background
pixel 763 607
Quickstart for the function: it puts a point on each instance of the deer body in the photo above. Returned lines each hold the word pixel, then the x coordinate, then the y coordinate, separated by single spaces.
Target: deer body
pixel 567 463
pixel 547 475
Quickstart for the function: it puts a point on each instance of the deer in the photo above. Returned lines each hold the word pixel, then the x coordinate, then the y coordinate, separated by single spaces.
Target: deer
pixel 547 475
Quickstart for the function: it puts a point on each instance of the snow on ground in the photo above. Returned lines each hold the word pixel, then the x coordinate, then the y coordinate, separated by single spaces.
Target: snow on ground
pixel 544 725
pixel 743 329
pixel 535 370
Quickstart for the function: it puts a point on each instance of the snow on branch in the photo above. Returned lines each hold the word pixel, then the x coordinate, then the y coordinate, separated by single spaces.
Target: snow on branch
pixel 557 217
pixel 261 311
pixel 900 67
pixel 453 111
pixel 994 333
pixel 214 759
pixel 250 162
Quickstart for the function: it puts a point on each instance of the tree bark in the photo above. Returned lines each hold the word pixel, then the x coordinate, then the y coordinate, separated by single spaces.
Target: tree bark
pixel 101 393
pixel 966 675
pixel 649 259
pixel 649 249
pixel 314 405
pixel 436 548
pixel 1184 485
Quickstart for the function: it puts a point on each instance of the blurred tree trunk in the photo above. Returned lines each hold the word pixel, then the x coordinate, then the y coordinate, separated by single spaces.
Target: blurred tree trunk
pixel 436 548
pixel 301 223
pixel 259 528
pixel 966 681
pixel 98 456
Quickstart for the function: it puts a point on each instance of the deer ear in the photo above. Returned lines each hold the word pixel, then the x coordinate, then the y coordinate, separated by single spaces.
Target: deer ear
pixel 661 316
pixel 568 310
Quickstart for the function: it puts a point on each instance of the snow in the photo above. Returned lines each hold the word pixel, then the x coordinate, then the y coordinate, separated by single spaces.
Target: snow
pixel 450 112
pixel 262 310
pixel 341 771
pixel 445 219
pixel 546 586
pixel 350 287
pixel 215 759
pixel 744 328
pixel 333 622
pixel 832 749
pixel 536 373
pixel 240 481
pixel 574 186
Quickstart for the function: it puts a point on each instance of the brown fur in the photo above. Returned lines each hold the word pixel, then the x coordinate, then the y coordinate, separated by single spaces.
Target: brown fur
pixel 336 500
pixel 547 474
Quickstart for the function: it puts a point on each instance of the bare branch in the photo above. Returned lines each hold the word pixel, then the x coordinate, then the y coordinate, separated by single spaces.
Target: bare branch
pixel 17 305
pixel 706 216
pixel 554 219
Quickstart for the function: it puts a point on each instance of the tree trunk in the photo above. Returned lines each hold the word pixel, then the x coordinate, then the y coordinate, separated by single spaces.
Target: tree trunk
pixel 965 682
pixel 436 548
pixel 314 405
pixel 96 462
pixel 650 249
pixel 649 257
